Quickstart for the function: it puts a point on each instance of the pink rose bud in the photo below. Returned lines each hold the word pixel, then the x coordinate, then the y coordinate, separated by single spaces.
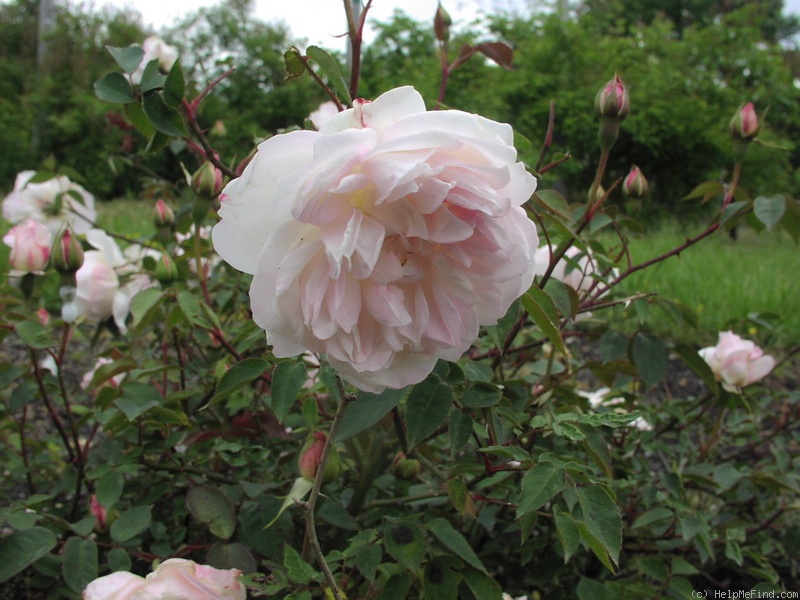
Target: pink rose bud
pixel 218 129
pixel 30 246
pixel 43 316
pixel 98 512
pixel 162 214
pixel 441 24
pixel 744 124
pixel 311 456
pixel 612 101
pixel 67 254
pixel 166 271
pixel 207 181
pixel 635 184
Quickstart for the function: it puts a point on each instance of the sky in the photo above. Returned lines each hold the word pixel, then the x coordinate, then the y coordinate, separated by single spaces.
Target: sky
pixel 319 21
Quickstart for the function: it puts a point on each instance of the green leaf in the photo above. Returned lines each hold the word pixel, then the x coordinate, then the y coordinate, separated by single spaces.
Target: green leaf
pixel 300 489
pixel 166 120
pixel 293 63
pixel 568 535
pixel 239 375
pixel 33 334
pixel 613 345
pixel 460 429
pixel 440 581
pixel 137 398
pixel 135 114
pixel 119 560
pixel 544 313
pixel 115 88
pixel 23 548
pixel 287 381
pixel 331 70
pixel 453 540
pixel 231 556
pixel 143 302
pixel 706 190
pixel 602 517
pixel 700 367
pixel 152 79
pixel 367 410
pixel 131 523
pixel 128 58
pixel 769 210
pixel 190 307
pixel 79 563
pixel 396 588
pixel 405 542
pixel 174 86
pixel 481 395
pixel 460 497
pixel 732 210
pixel 540 483
pixel 427 406
pixel 109 489
pixel 650 358
pixel 554 203
pixel 10 374
pixel 103 373
pixel 368 559
pixel 212 507
pixel 483 587
pixel 297 569
pixel 653 516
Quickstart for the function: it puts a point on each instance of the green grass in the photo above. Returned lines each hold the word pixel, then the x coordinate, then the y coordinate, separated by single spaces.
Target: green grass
pixel 727 282
pixel 132 218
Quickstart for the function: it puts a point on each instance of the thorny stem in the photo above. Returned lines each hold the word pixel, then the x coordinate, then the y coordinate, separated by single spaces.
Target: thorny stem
pixel 59 424
pixel 310 504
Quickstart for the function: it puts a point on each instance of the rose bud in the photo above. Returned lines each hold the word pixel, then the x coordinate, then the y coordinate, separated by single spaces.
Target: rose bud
pixel 98 512
pixel 406 468
pixel 612 101
pixel 66 256
pixel 744 125
pixel 635 184
pixel 163 217
pixel 166 272
pixel 441 24
pixel 30 246
pixel 207 181
pixel 311 456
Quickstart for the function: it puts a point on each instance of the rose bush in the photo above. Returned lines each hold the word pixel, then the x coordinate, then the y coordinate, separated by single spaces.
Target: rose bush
pixel 174 579
pixel 383 241
pixel 737 362
pixel 55 202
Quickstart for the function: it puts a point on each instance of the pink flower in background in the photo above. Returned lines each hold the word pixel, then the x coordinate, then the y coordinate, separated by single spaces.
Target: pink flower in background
pixel 89 375
pixel 174 579
pixel 736 362
pixel 30 244
pixel 99 513
pixel 108 279
pixel 323 114
pixel 155 49
pixel 383 241
pixel 52 202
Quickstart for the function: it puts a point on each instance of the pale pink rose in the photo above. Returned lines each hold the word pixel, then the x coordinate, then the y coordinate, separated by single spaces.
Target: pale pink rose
pixel 155 49
pixel 52 202
pixel 174 579
pixel 109 279
pixel 383 241
pixel 30 244
pixel 323 114
pixel 735 362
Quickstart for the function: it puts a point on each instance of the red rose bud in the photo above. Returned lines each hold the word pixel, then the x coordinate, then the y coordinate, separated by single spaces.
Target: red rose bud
pixel 163 217
pixel 635 184
pixel 66 257
pixel 441 24
pixel 99 513
pixel 207 181
pixel 744 124
pixel 311 456
pixel 612 101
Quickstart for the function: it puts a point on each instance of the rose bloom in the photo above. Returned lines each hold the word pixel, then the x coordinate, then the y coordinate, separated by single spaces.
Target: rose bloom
pixel 735 362
pixel 155 49
pixel 174 579
pixel 30 243
pixel 114 381
pixel 323 114
pixel 108 280
pixel 52 202
pixel 383 241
